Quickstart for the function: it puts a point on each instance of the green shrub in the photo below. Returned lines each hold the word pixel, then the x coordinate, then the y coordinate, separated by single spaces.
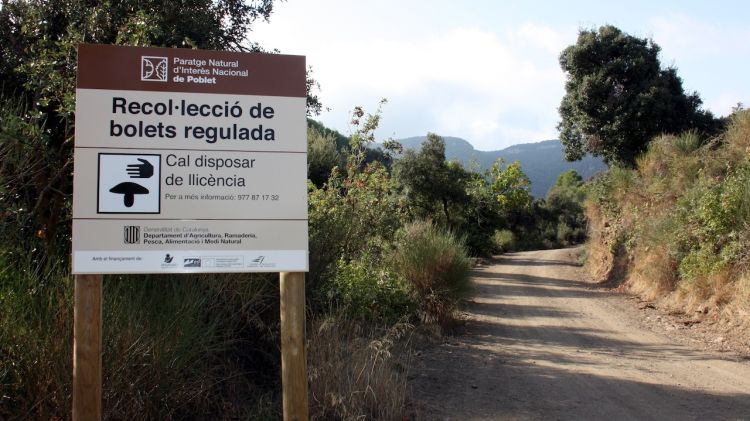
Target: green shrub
pixel 350 216
pixel 716 213
pixel 369 292
pixel 435 265
pixel 322 156
pixel 688 142
pixel 566 234
pixel 503 240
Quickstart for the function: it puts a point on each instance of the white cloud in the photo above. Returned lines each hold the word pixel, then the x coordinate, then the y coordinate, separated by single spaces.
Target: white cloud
pixel 684 37
pixel 549 39
pixel 457 81
pixel 472 71
pixel 708 58
pixel 723 103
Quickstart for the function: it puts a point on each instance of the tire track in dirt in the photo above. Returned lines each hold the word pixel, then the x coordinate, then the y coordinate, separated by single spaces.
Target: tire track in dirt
pixel 540 343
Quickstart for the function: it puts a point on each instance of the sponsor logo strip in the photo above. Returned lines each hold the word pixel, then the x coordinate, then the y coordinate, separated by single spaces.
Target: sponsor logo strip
pixel 189 261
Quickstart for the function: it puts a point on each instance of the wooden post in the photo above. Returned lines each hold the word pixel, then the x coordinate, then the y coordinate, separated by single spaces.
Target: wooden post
pixel 293 355
pixel 87 348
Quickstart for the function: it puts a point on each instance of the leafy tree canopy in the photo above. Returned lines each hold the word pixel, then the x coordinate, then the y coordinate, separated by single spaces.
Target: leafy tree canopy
pixel 429 181
pixel 322 156
pixel 618 97
pixel 569 186
pixel 510 186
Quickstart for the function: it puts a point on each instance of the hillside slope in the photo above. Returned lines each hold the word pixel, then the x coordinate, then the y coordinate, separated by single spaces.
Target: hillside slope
pixel 676 229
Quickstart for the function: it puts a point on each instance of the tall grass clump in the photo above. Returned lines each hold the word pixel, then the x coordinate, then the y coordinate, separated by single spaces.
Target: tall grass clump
pixel 435 265
pixel 358 371
pixel 688 142
pixel 35 340
pixel 173 347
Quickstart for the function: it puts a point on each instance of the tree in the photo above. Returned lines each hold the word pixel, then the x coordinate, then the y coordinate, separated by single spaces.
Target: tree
pixel 565 202
pixel 569 187
pixel 429 181
pixel 481 215
pixel 510 186
pixel 618 98
pixel 322 156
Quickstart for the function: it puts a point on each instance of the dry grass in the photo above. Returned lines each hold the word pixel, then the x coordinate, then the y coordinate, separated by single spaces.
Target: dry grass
pixel 598 258
pixel 739 307
pixel 671 165
pixel 654 273
pixel 737 144
pixel 713 291
pixel 606 257
pixel 358 372
pixel 644 223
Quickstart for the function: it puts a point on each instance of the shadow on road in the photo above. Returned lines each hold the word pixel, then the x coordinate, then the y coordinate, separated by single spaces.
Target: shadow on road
pixel 510 284
pixel 531 262
pixel 524 355
pixel 556 393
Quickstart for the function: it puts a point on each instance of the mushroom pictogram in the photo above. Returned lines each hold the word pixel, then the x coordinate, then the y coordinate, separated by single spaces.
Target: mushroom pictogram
pixel 129 189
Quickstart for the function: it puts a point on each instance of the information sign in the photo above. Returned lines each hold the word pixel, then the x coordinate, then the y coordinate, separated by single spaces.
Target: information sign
pixel 189 161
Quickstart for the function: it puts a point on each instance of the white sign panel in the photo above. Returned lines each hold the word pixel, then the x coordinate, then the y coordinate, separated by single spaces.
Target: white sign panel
pixel 189 161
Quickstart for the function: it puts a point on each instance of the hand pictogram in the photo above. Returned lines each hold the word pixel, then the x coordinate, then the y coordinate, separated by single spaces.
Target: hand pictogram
pixel 142 170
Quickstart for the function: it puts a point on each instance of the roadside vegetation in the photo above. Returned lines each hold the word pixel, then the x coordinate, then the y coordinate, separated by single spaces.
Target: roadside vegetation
pixel 389 257
pixel 392 235
pixel 669 220
pixel 676 226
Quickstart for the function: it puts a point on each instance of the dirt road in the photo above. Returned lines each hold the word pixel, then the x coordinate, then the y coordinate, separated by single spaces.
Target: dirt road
pixel 540 344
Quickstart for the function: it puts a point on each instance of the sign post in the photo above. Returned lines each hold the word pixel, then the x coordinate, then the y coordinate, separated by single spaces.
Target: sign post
pixel 87 345
pixel 188 161
pixel 293 355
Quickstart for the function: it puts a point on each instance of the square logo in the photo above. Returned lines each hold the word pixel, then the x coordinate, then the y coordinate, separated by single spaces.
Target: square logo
pixel 132 234
pixel 129 183
pixel 154 69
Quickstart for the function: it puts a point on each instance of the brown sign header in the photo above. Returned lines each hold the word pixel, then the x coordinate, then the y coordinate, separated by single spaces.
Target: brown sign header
pixel 185 70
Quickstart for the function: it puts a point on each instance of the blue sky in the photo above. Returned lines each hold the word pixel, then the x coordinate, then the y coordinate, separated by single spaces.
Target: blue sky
pixel 488 71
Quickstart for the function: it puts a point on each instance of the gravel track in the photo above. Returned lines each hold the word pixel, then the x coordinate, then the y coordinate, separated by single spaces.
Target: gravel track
pixel 540 343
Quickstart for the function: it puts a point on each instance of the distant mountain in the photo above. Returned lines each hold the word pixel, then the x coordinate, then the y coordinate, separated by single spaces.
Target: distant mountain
pixel 542 162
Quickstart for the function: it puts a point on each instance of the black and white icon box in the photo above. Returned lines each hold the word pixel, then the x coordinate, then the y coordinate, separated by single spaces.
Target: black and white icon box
pixel 129 183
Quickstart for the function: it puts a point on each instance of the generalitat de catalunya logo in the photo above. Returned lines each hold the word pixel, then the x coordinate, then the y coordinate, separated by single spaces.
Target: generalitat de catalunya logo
pixel 154 69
